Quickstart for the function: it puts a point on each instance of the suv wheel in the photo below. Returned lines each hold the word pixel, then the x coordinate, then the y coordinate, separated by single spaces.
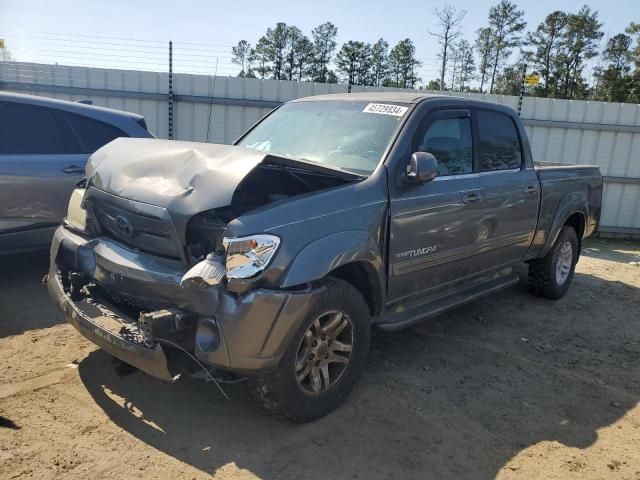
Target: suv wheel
pixel 551 276
pixel 324 359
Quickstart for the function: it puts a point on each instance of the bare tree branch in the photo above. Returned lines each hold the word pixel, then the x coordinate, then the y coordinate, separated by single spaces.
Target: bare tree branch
pixel 449 20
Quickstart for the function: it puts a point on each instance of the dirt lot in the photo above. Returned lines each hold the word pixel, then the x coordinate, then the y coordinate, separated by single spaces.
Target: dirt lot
pixel 511 387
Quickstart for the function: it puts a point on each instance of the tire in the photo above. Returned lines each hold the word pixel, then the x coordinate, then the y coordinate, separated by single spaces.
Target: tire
pixel 551 275
pixel 304 400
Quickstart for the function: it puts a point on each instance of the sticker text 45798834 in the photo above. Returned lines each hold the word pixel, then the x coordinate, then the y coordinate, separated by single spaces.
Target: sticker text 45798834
pixel 385 109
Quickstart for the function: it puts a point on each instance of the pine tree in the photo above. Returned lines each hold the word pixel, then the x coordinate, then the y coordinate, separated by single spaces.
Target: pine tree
pixel 505 22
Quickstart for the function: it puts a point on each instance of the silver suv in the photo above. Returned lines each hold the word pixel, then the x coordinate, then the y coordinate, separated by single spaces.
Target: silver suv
pixel 44 145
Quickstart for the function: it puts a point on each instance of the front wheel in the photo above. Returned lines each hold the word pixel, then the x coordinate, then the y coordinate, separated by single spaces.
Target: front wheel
pixel 551 276
pixel 324 358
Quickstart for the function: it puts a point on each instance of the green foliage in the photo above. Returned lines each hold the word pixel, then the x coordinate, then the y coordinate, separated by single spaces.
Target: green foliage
pixel 579 43
pixel 614 82
pixel 544 48
pixel 298 53
pixel 465 67
pixel 354 62
pixel 560 49
pixel 240 55
pixel 379 62
pixel 506 22
pixel 509 80
pixel 484 48
pixel 324 44
pixel 433 84
pixel 403 65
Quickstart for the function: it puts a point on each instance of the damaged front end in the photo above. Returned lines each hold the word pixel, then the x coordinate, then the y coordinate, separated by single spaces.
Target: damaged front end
pixel 134 304
pixel 142 260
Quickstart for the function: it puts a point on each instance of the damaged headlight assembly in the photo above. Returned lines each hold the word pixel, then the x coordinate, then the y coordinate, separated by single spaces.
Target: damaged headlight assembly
pixel 245 257
pixel 76 213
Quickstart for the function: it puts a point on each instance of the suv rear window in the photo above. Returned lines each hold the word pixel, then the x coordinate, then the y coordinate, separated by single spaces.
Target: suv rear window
pixel 28 129
pixel 499 144
pixel 92 133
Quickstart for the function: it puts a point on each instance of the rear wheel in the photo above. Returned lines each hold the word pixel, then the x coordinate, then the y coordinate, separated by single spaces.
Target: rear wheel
pixel 324 359
pixel 551 276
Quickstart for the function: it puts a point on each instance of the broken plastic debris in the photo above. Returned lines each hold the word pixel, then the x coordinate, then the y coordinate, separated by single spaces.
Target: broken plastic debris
pixel 73 364
pixel 209 272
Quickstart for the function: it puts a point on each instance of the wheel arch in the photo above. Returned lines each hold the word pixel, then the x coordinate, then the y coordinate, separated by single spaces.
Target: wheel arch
pixel 352 256
pixel 362 276
pixel 571 211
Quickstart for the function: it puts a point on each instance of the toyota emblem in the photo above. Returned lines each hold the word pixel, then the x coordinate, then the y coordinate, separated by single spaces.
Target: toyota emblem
pixel 124 226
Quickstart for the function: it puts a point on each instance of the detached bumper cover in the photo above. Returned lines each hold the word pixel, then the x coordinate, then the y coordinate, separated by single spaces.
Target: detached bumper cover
pixel 151 360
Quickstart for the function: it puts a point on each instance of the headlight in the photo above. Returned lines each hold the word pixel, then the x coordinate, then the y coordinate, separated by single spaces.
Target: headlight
pixel 76 214
pixel 248 256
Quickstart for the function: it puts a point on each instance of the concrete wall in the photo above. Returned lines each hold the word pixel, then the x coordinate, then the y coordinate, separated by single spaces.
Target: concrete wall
pixel 219 109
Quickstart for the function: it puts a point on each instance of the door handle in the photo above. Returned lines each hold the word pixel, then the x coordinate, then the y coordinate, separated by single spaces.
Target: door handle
pixel 472 198
pixel 73 169
pixel 531 189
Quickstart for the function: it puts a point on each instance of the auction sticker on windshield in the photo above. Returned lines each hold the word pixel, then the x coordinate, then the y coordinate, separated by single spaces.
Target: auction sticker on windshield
pixel 385 109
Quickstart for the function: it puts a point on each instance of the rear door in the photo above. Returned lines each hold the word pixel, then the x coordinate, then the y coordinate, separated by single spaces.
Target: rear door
pixel 511 188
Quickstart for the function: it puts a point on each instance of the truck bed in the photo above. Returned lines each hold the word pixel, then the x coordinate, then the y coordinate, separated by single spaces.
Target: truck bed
pixel 563 187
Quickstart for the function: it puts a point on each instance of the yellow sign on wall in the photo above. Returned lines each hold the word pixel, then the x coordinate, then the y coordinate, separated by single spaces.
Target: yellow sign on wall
pixel 1 42
pixel 532 79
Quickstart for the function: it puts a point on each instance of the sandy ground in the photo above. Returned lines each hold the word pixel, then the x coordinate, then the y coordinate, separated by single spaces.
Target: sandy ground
pixel 511 386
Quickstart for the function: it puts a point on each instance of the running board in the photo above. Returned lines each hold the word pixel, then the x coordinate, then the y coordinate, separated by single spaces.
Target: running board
pixel 420 313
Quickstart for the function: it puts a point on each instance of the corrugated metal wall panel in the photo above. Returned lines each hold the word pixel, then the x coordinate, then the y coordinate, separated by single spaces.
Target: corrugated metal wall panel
pixel 617 153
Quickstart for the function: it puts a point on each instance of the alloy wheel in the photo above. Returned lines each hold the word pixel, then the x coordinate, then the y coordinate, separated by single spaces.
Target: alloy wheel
pixel 324 352
pixel 563 264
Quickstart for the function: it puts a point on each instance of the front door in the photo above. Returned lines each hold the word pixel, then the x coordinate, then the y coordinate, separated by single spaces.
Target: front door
pixel 433 230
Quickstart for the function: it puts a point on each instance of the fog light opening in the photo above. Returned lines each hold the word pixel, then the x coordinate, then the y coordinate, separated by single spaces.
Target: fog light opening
pixel 208 335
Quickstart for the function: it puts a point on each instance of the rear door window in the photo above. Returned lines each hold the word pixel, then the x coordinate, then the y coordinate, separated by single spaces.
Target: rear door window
pixel 92 133
pixel 26 129
pixel 499 145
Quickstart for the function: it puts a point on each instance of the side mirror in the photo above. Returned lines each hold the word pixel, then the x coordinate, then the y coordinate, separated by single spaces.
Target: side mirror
pixel 423 168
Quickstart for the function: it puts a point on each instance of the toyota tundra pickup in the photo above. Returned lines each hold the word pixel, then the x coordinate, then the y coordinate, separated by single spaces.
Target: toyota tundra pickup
pixel 274 257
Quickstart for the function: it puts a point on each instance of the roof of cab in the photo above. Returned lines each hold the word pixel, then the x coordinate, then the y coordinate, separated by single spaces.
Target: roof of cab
pixel 75 107
pixel 403 97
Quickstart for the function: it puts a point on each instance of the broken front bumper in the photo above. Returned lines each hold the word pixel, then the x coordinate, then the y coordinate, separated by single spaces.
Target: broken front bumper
pixel 150 359
pixel 243 333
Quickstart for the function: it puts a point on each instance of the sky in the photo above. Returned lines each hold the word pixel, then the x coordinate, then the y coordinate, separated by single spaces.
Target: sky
pixel 134 33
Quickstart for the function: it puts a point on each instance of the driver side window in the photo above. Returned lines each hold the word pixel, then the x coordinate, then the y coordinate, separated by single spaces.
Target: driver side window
pixel 449 140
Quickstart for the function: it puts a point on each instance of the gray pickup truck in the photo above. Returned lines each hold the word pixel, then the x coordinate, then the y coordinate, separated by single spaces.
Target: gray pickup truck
pixel 274 257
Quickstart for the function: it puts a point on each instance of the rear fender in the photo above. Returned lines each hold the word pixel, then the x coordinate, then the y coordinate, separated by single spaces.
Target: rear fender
pixel 574 202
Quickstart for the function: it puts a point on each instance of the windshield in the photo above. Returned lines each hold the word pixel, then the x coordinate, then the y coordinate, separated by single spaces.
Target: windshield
pixel 337 134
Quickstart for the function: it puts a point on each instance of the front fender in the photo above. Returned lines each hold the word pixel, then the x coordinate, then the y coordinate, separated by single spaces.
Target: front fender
pixel 322 256
pixel 574 202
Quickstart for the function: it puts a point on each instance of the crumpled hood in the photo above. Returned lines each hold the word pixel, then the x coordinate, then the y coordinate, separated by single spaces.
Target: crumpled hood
pixel 184 177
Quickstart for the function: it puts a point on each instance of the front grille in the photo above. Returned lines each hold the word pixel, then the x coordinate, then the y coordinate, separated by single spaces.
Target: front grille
pixel 150 231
